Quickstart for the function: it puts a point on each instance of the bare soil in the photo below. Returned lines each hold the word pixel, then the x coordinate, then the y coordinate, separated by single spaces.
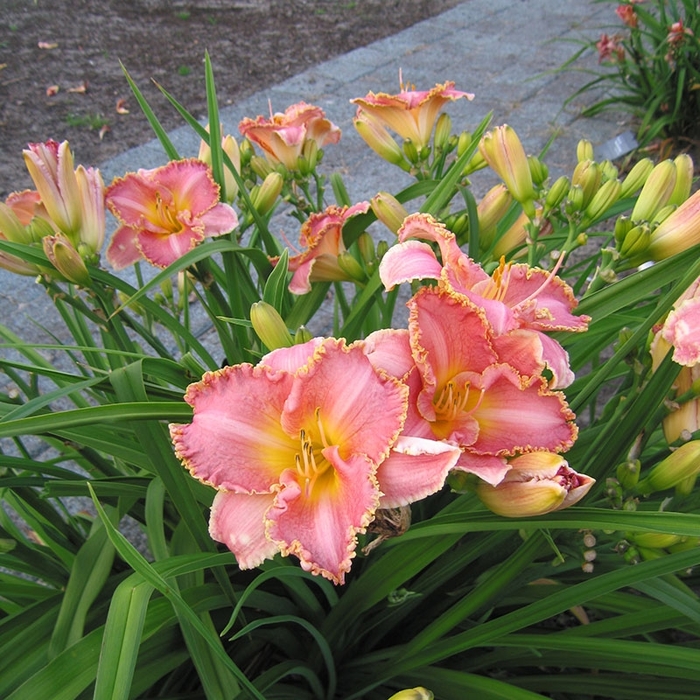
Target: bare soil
pixel 61 78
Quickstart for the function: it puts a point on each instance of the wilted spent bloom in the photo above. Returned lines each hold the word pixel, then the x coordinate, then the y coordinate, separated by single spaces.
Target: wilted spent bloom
pixel 677 33
pixel 19 215
pixel 412 114
pixel 503 151
pixel 537 483
pixel 283 136
pixel 627 14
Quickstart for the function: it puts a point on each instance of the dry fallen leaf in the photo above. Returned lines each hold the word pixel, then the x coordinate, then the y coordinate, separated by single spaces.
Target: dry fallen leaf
pixel 51 90
pixel 47 45
pixel 82 88
pixel 103 131
pixel 121 106
pixel 3 65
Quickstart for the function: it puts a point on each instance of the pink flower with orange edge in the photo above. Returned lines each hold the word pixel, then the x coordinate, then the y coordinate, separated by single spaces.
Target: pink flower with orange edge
pixel 680 333
pixel 627 14
pixel 464 392
pixel 610 49
pixel 411 113
pixel 165 212
pixel 521 303
pixel 321 237
pixel 296 461
pixel 283 136
pixel 537 483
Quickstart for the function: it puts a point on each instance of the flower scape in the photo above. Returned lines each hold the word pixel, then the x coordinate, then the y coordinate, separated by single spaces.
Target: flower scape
pixel 426 466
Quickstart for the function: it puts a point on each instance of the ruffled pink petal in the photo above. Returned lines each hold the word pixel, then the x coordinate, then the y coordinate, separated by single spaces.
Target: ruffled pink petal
pixel 448 336
pixel 291 359
pixel 341 396
pixel 235 441
pixel 557 361
pixel 682 330
pixel 414 469
pixel 490 468
pixel 406 262
pixel 238 521
pixel 132 199
pixel 301 283
pixel 191 184
pixel 123 249
pixel 424 227
pixel 517 417
pixel 321 528
pixel 164 250
pixel 389 350
pixel 218 220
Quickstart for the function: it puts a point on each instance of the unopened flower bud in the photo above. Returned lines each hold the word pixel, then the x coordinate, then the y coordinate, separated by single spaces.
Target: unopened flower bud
pixel 681 464
pixel 382 249
pixel 663 214
pixel 503 151
pixel 537 483
pixel 635 179
pixel 587 175
pixel 574 200
pixel 463 142
pixel 308 159
pixel 608 170
pixel 656 192
pixel 409 148
pixel 635 244
pixel 490 210
pixel 349 265
pixel 654 540
pixel 365 245
pixel 623 226
pixel 378 138
pixel 555 195
pixel 303 335
pixel 603 199
pixel 443 130
pixel 584 150
pixel 66 259
pixel 628 473
pixel 37 229
pixel 538 170
pixel 264 198
pixel 418 693
pixel 684 179
pixel 261 166
pixel 388 210
pixel 269 326
pixel 680 231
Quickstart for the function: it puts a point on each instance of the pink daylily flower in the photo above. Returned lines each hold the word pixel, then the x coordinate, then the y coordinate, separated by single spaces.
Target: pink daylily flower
pixel 165 212
pixel 282 137
pixel 682 327
pixel 302 449
pixel 412 113
pixel 464 392
pixel 521 303
pixel 321 237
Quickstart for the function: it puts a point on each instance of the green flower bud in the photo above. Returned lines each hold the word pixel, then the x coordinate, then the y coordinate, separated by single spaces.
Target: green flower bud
pixel 538 170
pixel 443 129
pixel 382 249
pixel 349 265
pixel 587 175
pixel 365 244
pixel 66 259
pixel 388 210
pixel 555 195
pixel 603 199
pixel 636 177
pixel 464 141
pixel 684 179
pixel 409 148
pixel 628 473
pixel 584 150
pixel 413 694
pixel 636 242
pixel 269 326
pixel 680 465
pixel 622 227
pixel 574 200
pixel 266 195
pixel 656 192
pixel 303 335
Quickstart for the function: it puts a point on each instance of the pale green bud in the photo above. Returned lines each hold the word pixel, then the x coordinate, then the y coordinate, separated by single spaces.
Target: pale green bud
pixel 270 326
pixel 264 197
pixel 66 259
pixel 636 242
pixel 684 179
pixel 349 265
pixel 622 227
pixel 261 166
pixel 628 473
pixel 365 245
pixel 417 693
pixel 463 142
pixel 538 170
pixel 303 335
pixel 603 199
pixel 608 170
pixel 388 210
pixel 587 175
pixel 382 249
pixel 656 192
pixel 636 177
pixel 574 200
pixel 557 192
pixel 681 464
pixel 443 130
pixel 584 150
pixel 409 148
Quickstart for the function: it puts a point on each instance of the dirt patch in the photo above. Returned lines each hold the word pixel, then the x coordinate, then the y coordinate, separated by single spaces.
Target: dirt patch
pixel 60 74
